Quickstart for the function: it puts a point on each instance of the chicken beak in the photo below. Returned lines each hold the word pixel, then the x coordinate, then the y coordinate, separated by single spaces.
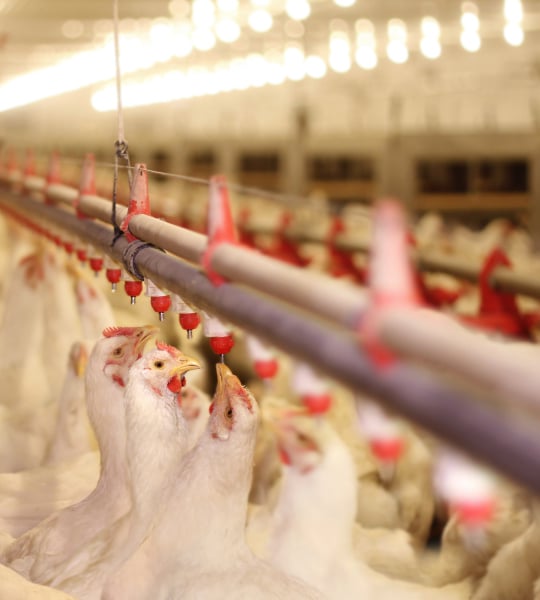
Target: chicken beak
pixel 275 414
pixel 176 375
pixel 79 359
pixel 146 332
pixel 185 364
pixel 227 383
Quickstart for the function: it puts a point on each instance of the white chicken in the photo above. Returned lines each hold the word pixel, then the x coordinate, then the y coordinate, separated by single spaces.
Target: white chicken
pixel 28 497
pixel 467 554
pixel 15 587
pixel 73 435
pixel 62 322
pixel 157 436
pixel 203 554
pixel 25 413
pixel 94 308
pixel 45 548
pixel 313 522
pixel 195 406
pixel 515 567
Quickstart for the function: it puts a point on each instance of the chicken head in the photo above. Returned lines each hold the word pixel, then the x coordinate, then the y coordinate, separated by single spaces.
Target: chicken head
pixel 233 406
pixel 119 348
pixel 163 370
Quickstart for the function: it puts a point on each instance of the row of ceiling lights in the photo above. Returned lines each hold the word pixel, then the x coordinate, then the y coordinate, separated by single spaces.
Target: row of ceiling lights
pixel 167 40
pixel 274 68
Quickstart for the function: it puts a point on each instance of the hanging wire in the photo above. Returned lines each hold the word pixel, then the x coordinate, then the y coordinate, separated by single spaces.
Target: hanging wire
pixel 120 146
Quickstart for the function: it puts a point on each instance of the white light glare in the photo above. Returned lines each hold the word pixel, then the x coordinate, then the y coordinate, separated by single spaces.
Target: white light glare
pixel 430 48
pixel 397 52
pixel 430 28
pixel 182 45
pixel 345 3
pixel 315 67
pixel 513 11
pixel 397 31
pixel 203 39
pixel 366 57
pixel 254 70
pixel 396 48
pixel 203 13
pixel 162 38
pixel 78 71
pixel 227 6
pixel 298 10
pixel 255 66
pixel 227 30
pixel 429 44
pixel 513 34
pixel 469 17
pixel 293 60
pixel 260 20
pixel 470 40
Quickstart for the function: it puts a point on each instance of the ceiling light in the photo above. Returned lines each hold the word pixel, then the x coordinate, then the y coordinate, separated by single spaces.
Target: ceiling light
pixel 315 67
pixel 430 27
pixel 298 9
pixel 513 11
pixel 430 48
pixel 227 6
pixel 469 17
pixel 182 44
pixel 293 61
pixel 227 30
pixel 513 34
pixel 397 52
pixel 345 3
pixel 470 40
pixel 203 13
pixel 366 57
pixel 397 30
pixel 260 20
pixel 341 63
pixel 203 39
pixel 78 71
pixel 256 68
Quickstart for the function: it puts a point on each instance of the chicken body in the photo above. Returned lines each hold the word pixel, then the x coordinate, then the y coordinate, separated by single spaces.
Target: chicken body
pixel 43 550
pixel 313 523
pixel 204 554
pixel 157 436
pixel 74 434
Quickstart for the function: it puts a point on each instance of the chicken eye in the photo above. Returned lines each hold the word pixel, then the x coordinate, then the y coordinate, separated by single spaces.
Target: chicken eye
pixel 118 352
pixel 303 439
pixel 229 413
pixel 159 364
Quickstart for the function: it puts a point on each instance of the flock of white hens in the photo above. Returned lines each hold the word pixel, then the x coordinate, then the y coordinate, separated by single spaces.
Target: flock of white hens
pixel 123 477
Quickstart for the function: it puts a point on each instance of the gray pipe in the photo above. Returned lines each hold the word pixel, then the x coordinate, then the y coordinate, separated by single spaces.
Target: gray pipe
pixel 500 440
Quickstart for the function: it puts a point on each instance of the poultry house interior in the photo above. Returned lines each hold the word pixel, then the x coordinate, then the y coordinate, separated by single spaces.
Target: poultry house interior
pixel 269 305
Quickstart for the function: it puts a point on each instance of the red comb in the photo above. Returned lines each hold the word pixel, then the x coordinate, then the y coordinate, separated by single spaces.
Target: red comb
pixel 174 352
pixel 116 331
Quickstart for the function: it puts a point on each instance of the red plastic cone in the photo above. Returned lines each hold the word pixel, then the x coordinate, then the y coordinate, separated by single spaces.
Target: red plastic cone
pixel 139 201
pixel 220 224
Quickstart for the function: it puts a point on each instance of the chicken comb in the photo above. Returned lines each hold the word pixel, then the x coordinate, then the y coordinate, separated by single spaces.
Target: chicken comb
pixel 174 352
pixel 116 331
